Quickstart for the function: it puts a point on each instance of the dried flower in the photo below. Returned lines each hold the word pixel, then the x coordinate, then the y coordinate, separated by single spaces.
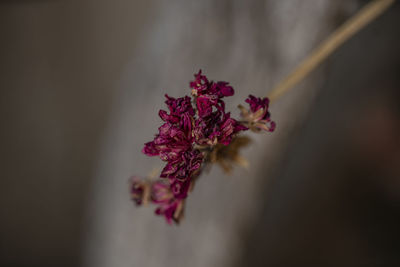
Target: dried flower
pixel 258 117
pixel 196 130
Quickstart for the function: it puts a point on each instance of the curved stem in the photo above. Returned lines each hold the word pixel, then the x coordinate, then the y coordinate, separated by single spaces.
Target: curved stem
pixel 335 40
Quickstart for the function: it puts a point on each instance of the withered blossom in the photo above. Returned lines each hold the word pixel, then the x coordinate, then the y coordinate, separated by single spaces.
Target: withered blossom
pixel 196 131
pixel 258 117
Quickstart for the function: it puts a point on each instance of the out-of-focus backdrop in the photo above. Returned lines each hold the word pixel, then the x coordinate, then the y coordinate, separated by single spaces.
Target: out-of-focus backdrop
pixel 81 84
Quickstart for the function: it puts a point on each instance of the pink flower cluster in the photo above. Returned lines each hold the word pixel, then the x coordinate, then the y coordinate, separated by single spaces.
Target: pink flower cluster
pixel 191 127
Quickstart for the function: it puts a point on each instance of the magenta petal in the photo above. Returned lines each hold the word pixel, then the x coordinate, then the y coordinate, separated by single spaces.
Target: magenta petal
pixel 204 106
pixel 168 210
pixel 225 89
pixel 272 126
pixel 161 192
pixel 180 189
pixel 168 170
pixel 163 115
pixel 150 149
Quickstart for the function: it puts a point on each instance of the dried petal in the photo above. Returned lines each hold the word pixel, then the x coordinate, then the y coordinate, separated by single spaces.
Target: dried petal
pixel 171 211
pixel 161 192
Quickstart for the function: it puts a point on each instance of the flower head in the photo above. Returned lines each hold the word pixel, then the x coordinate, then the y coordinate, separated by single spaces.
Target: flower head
pixel 258 117
pixel 195 131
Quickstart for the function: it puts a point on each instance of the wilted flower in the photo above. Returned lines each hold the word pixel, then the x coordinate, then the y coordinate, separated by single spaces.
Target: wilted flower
pixel 258 117
pixel 196 131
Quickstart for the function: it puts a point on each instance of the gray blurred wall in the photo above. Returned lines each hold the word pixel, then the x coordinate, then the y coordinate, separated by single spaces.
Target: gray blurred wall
pixel 59 61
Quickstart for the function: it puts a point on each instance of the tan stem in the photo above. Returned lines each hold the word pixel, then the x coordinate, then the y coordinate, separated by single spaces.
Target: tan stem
pixel 367 14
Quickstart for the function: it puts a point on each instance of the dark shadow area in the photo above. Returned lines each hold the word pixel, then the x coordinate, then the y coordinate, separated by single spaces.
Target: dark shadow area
pixel 59 61
pixel 335 199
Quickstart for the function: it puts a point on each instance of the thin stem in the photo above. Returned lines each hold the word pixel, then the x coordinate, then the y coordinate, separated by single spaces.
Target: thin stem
pixel 335 40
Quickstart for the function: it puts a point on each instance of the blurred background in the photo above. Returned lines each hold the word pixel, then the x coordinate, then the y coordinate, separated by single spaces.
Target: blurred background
pixel 81 83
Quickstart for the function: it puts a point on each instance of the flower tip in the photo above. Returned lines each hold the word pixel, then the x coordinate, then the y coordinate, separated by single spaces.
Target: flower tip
pixel 272 126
